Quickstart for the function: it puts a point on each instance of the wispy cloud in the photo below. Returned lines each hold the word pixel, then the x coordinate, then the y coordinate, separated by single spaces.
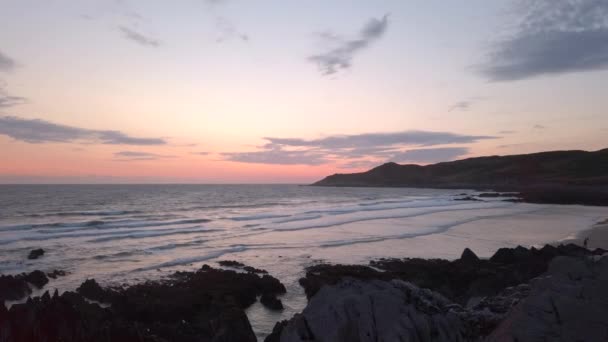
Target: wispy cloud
pixel 38 131
pixel 6 63
pixel 552 37
pixel 342 51
pixel 7 100
pixel 537 126
pixel 227 30
pixel 358 149
pixel 507 132
pixel 138 37
pixel 137 155
pixel 201 153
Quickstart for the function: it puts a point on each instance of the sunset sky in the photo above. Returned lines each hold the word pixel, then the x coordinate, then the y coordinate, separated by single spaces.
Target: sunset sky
pixel 288 91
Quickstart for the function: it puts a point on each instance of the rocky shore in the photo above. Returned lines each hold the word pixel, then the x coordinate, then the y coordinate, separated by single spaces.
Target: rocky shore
pixel 205 305
pixel 519 294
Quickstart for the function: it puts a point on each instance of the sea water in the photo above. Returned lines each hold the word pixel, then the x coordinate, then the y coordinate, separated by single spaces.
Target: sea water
pixel 130 233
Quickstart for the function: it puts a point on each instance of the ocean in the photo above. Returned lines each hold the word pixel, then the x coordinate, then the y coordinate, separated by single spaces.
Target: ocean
pixel 130 233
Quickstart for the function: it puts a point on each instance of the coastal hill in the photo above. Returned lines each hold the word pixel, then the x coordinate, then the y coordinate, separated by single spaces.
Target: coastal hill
pixel 564 169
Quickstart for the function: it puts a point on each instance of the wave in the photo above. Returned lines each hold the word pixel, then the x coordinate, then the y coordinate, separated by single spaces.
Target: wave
pixel 257 217
pixel 148 234
pixel 390 215
pixel 64 227
pixel 186 261
pixel 85 213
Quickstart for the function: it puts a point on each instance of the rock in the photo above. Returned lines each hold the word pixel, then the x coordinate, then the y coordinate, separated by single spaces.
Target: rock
pixel 466 198
pixel 568 303
pixel 271 302
pixel 231 263
pixel 236 264
pixel 13 288
pixel 355 310
pixel 468 257
pixel 35 253
pixel 56 273
pixel 206 305
pixel 254 270
pixel 36 278
pixel 458 280
pixel 92 290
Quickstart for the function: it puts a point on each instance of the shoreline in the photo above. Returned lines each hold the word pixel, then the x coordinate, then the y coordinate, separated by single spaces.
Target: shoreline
pixel 597 236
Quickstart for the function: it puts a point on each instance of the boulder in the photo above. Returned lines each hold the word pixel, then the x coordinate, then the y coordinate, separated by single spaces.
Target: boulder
pixel 271 302
pixel 468 257
pixel 35 253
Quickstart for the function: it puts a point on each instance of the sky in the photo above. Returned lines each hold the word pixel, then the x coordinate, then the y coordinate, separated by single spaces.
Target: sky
pixel 289 91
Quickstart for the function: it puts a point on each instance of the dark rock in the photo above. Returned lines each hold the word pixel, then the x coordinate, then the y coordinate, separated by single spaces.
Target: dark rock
pixel 468 257
pixel 236 264
pixel 271 302
pixel 489 194
pixel 206 305
pixel 567 304
pixel 36 253
pixel 275 335
pixel 254 270
pixel 13 288
pixel 467 198
pixel 36 278
pixel 92 290
pixel 231 263
pixel 56 273
pixel 457 280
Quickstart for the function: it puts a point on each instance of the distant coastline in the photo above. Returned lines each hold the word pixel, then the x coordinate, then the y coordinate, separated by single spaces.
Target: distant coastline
pixel 555 177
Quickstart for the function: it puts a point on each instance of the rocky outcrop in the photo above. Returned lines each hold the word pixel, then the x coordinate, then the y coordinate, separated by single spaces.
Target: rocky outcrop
pixel 355 310
pixel 15 287
pixel 206 305
pixel 239 265
pixel 565 303
pixel 461 280
pixel 35 253
pixel 568 303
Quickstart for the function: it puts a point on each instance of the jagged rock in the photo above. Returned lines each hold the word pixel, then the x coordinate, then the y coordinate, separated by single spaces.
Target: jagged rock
pixel 457 280
pixel 36 278
pixel 15 287
pixel 35 253
pixel 568 303
pixel 271 302
pixel 206 305
pixel 230 263
pixel 56 273
pixel 354 310
pixel 468 257
pixel 92 290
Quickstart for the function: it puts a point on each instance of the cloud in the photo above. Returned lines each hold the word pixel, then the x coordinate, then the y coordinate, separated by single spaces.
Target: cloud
pixel 539 127
pixel 354 150
pixel 201 153
pixel 507 132
pixel 10 101
pixel 136 155
pixel 417 138
pixel 227 30
pixel 460 105
pixel 138 37
pixel 38 131
pixel 6 63
pixel 430 155
pixel 552 37
pixel 341 52
pixel 278 156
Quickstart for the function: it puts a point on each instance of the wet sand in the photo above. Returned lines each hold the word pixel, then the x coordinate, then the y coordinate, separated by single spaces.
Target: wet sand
pixel 598 236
